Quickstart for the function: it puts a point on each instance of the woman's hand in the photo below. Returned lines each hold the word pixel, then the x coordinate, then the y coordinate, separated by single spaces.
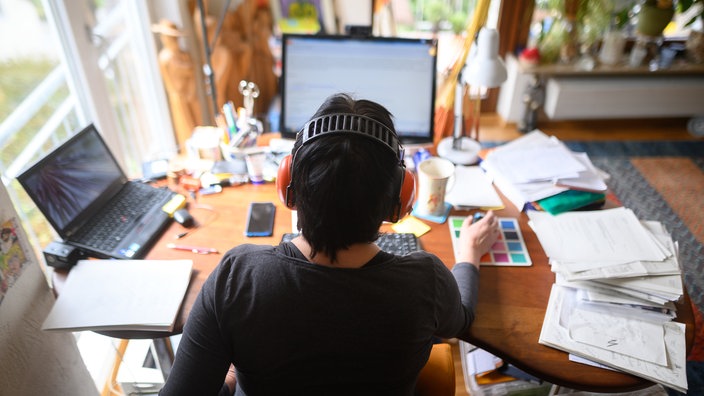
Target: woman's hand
pixel 231 379
pixel 476 239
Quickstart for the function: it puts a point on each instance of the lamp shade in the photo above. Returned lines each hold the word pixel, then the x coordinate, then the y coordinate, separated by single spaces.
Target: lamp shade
pixel 485 68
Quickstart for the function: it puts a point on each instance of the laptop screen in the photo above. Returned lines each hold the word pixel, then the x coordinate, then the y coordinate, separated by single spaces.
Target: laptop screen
pixel 74 180
pixel 398 73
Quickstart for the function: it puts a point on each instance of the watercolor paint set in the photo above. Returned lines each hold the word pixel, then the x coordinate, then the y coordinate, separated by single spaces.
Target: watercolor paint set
pixel 509 250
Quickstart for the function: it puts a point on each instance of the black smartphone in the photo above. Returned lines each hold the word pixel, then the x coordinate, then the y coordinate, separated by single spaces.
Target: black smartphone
pixel 260 219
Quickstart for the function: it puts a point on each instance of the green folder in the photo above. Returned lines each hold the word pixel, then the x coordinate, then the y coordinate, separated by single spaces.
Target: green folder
pixel 570 200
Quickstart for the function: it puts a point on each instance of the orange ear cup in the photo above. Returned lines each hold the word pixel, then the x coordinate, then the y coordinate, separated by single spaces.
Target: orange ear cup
pixel 283 179
pixel 407 195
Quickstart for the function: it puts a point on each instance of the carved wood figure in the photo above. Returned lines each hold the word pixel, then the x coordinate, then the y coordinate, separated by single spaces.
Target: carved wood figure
pixel 179 76
pixel 245 32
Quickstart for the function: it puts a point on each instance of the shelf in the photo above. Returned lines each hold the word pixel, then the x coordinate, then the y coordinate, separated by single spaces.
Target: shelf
pixel 562 70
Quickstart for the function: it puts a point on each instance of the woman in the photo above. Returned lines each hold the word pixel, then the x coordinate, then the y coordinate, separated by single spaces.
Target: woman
pixel 329 312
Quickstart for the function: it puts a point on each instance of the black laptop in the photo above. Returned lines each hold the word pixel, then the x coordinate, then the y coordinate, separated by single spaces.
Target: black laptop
pixel 84 194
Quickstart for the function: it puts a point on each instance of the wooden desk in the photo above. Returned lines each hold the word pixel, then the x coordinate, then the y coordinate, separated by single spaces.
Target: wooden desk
pixel 512 300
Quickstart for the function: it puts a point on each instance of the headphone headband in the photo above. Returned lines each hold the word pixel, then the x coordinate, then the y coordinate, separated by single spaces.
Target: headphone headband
pixel 351 123
pixel 340 123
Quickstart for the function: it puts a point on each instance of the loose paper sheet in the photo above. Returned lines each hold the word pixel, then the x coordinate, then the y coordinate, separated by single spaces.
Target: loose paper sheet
pixel 472 189
pixel 538 164
pixel 637 338
pixel 612 235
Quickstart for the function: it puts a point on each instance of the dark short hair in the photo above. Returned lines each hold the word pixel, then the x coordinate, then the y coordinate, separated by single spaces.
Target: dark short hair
pixel 344 182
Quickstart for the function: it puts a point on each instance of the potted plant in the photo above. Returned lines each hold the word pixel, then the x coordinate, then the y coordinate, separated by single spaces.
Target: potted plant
pixel 683 6
pixel 653 17
pixel 437 12
pixel 570 24
pixel 695 41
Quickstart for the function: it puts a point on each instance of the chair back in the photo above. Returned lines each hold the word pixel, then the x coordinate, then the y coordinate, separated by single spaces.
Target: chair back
pixel 437 378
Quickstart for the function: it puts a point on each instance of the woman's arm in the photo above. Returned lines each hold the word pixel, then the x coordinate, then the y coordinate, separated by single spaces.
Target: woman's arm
pixel 202 359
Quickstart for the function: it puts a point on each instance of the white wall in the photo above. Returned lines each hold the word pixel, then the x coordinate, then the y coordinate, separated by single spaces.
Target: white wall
pixel 32 361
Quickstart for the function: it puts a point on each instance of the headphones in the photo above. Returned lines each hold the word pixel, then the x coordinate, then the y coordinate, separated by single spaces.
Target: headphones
pixel 343 123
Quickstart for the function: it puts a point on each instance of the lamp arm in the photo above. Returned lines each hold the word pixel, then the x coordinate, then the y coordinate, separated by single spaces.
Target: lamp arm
pixel 459 119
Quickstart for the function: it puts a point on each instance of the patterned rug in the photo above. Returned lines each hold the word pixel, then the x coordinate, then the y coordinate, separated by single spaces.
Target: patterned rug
pixel 664 181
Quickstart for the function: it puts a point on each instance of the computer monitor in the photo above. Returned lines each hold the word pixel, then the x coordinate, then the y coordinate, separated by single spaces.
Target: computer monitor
pixel 398 73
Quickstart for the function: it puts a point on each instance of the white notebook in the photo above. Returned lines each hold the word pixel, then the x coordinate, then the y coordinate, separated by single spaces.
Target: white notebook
pixel 121 295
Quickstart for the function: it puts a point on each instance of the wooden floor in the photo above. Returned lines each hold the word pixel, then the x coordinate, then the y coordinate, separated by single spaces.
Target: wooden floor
pixel 494 129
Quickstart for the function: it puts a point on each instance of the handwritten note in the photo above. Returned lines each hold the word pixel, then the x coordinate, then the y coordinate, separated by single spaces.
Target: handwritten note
pixel 637 338
pixel 555 334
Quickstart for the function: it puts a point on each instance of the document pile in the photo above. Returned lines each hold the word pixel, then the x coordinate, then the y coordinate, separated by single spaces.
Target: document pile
pixel 613 301
pixel 537 166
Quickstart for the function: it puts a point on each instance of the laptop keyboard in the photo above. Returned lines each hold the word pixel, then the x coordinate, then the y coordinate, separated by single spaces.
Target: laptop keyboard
pixel 106 231
pixel 399 244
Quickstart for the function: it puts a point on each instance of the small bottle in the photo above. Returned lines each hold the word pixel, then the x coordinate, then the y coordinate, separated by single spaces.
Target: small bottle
pixel 612 46
pixel 638 53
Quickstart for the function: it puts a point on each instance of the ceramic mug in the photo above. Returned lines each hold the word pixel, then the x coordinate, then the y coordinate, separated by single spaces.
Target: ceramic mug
pixel 255 166
pixel 434 174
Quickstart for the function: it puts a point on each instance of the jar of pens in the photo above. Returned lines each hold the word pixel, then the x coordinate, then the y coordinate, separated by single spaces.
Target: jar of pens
pixel 239 143
pixel 242 127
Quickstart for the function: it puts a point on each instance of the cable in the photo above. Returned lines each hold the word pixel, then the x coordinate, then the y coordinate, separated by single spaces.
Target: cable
pixel 208 69
pixel 200 225
pixel 220 21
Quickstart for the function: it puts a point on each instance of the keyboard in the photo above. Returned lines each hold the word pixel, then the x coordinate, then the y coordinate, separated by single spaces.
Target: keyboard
pixel 105 231
pixel 399 244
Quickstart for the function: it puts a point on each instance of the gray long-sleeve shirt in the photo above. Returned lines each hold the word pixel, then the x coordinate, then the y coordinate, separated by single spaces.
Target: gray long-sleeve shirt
pixel 293 327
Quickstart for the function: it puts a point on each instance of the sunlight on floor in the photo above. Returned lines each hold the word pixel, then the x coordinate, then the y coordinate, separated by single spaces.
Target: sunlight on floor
pixel 98 354
pixel 136 371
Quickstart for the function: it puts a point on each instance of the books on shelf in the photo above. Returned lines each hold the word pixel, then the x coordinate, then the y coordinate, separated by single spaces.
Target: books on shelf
pixel 121 295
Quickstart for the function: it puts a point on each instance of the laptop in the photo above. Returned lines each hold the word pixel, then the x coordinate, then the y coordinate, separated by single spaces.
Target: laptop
pixel 82 191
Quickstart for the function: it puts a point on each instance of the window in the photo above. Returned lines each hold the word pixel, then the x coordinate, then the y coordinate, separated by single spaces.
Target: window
pixel 70 70
pixel 79 61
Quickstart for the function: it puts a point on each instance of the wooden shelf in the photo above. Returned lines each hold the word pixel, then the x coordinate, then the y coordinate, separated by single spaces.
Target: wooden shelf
pixel 563 70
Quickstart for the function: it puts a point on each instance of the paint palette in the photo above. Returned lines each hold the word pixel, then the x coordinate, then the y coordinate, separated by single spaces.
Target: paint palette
pixel 509 250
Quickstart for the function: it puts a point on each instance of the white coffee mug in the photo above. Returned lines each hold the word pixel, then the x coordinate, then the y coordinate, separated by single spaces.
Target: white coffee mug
pixel 255 166
pixel 433 176
pixel 204 143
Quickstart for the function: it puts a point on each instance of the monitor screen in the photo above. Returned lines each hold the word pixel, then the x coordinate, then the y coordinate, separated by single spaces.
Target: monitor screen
pixel 398 73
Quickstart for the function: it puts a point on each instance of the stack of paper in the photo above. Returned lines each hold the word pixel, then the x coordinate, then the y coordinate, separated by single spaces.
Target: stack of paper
pixel 537 166
pixel 613 302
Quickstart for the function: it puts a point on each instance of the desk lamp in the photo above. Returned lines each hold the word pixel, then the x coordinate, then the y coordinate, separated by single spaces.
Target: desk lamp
pixel 484 69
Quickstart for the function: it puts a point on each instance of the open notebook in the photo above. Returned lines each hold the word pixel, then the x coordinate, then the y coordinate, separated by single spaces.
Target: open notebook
pixel 84 194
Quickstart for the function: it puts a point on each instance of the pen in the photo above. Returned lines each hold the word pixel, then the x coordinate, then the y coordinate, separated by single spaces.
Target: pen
pixel 194 249
pixel 478 216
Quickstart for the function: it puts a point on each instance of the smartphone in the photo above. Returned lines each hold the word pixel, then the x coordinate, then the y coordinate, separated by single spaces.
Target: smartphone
pixel 260 219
